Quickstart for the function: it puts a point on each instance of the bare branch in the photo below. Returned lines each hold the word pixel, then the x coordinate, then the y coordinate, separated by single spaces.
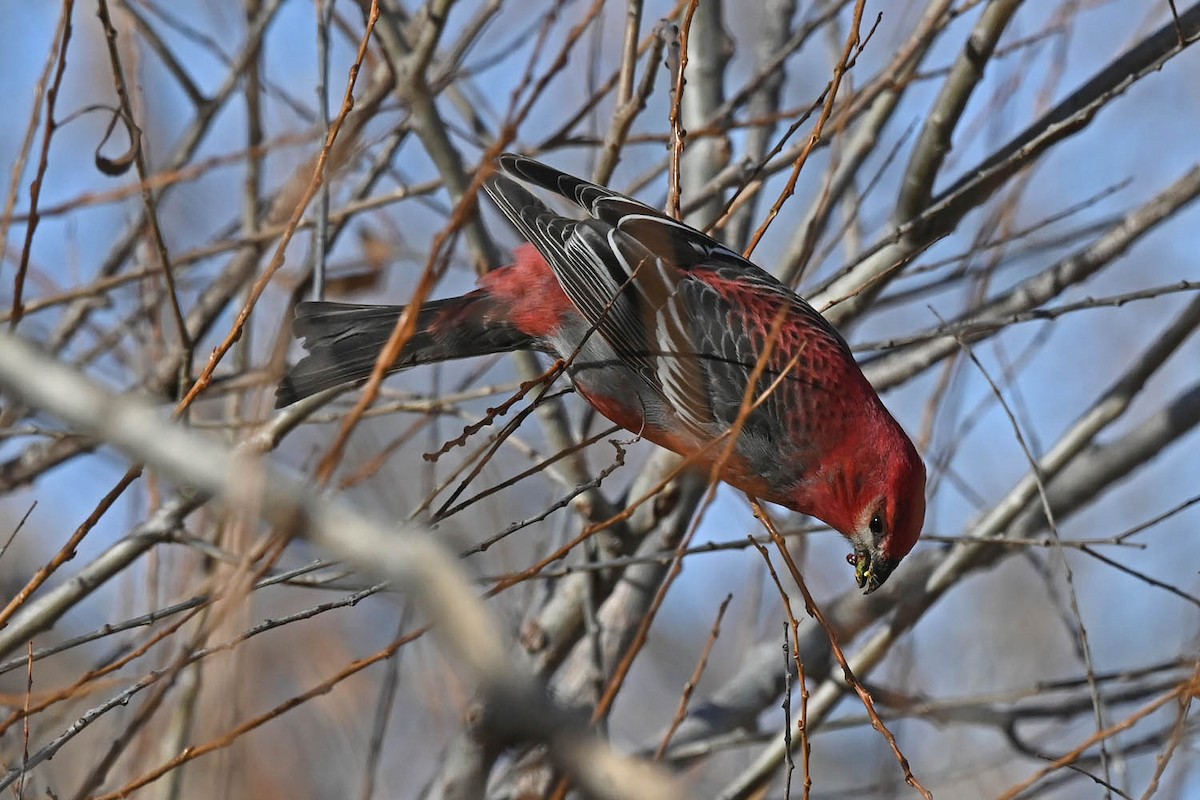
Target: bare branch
pixel 408 558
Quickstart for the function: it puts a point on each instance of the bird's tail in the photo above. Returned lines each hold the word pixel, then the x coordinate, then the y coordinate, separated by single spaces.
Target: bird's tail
pixel 344 340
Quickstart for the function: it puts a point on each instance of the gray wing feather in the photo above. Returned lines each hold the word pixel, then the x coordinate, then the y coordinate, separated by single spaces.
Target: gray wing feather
pixel 624 290
pixel 673 241
pixel 642 279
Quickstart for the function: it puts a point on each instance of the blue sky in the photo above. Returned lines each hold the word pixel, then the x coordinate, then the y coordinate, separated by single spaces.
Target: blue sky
pixel 1146 138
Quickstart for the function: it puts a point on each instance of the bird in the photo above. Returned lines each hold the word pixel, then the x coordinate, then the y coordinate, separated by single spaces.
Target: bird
pixel 662 328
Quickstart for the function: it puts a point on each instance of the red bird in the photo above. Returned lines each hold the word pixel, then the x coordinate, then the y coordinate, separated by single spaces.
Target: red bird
pixel 663 327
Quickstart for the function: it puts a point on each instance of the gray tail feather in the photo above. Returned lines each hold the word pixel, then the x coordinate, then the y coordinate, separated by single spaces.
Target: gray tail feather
pixel 344 340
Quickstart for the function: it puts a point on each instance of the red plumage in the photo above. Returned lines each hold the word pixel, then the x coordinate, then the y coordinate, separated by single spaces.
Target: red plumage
pixel 665 326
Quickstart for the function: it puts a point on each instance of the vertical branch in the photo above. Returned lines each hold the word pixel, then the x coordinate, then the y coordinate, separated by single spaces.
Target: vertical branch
pixel 706 51
pixel 676 64
pixel 252 183
pixel 629 51
pixel 965 75
pixel 63 38
pixel 839 69
pixel 148 198
pixel 629 106
pixel 320 236
pixel 774 30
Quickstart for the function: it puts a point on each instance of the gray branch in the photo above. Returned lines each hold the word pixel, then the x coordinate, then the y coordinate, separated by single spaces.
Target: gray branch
pixel 406 556
pixel 965 75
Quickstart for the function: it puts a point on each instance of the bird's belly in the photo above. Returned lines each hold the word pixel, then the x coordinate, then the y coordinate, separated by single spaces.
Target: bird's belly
pixel 617 397
pixel 617 408
pixel 765 467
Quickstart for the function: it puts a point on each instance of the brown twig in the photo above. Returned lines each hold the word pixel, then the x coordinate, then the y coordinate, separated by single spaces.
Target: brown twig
pixel 318 176
pixel 63 37
pixel 677 58
pixel 839 70
pixel 802 725
pixel 693 681
pixel 815 612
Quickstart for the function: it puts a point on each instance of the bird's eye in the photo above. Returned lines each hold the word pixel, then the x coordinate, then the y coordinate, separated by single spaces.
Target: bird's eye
pixel 877 525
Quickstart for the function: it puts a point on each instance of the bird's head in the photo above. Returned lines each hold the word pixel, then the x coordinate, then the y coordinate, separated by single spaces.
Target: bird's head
pixel 889 518
pixel 875 496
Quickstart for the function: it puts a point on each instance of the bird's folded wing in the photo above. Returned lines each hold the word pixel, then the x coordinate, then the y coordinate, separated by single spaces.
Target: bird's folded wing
pixel 626 292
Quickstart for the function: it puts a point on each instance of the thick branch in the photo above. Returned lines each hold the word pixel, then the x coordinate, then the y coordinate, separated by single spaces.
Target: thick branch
pixel 965 75
pixel 408 558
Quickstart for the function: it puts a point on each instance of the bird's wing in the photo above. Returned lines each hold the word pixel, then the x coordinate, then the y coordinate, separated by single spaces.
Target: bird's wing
pixel 626 292
pixel 737 325
pixel 669 239
pixel 687 312
pixel 675 242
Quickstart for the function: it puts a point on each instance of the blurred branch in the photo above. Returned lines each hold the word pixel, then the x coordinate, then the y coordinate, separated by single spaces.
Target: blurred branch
pixel 42 613
pixel 774 29
pixel 408 558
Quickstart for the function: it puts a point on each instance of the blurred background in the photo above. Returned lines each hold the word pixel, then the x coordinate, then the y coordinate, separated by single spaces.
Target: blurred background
pixel 996 211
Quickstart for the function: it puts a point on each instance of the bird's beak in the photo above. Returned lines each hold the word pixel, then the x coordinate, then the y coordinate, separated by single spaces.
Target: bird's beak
pixel 871 571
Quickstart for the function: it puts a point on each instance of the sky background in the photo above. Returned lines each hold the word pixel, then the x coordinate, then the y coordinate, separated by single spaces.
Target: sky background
pixel 971 641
